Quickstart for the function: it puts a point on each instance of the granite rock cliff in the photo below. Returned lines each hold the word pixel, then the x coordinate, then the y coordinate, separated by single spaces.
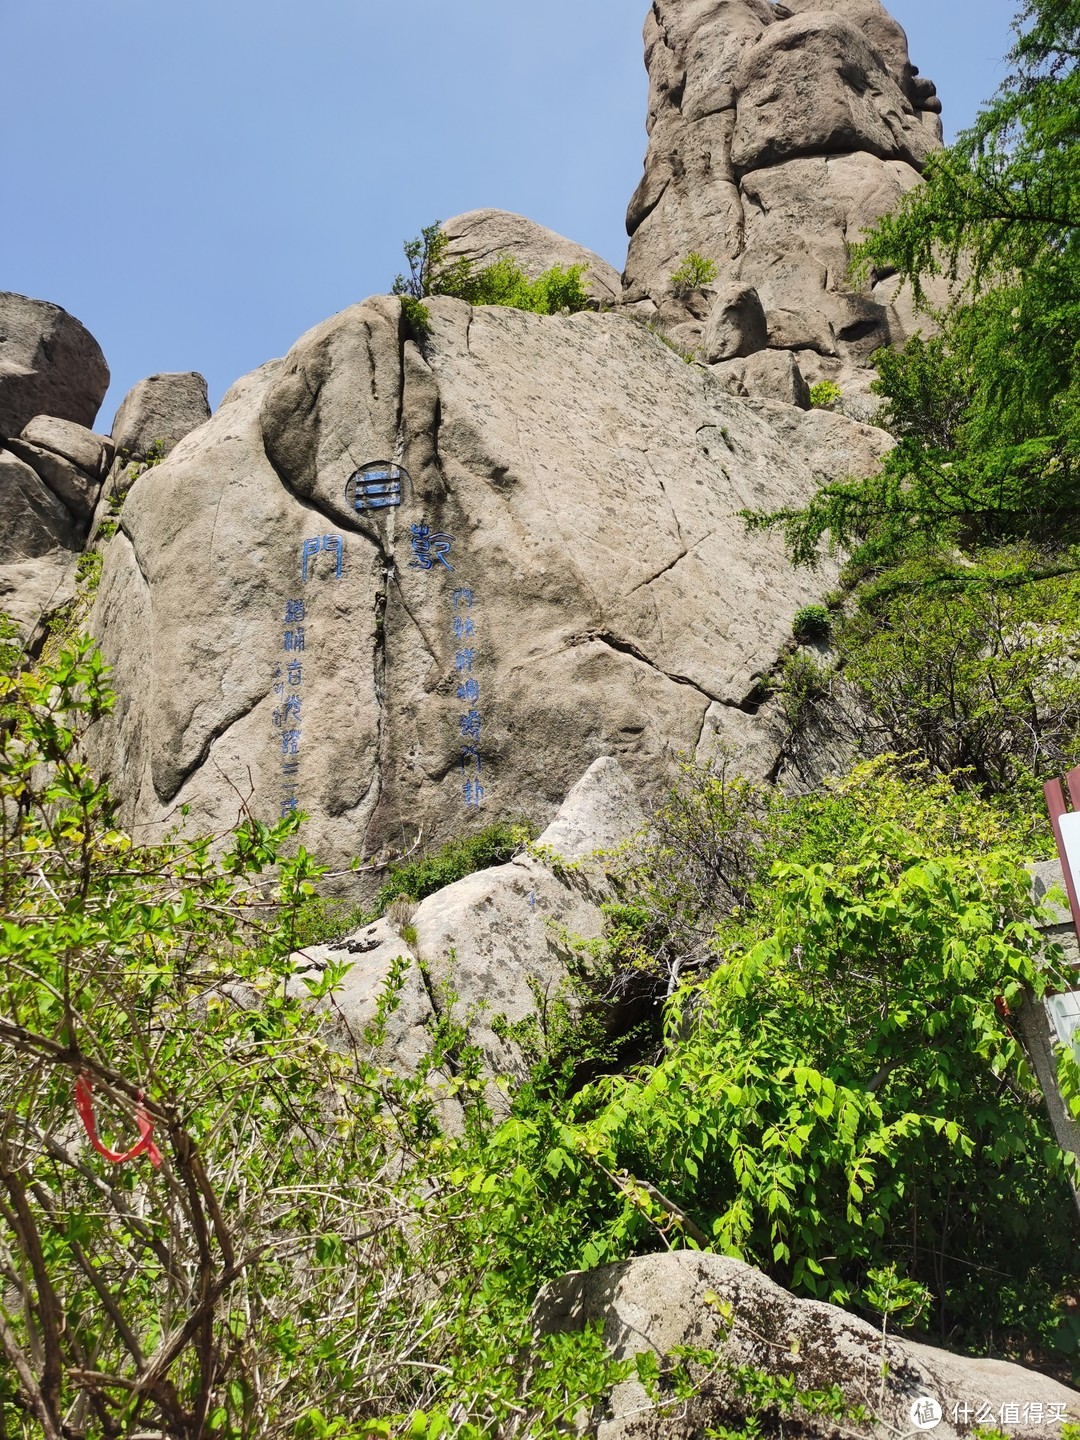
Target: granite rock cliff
pixel 777 135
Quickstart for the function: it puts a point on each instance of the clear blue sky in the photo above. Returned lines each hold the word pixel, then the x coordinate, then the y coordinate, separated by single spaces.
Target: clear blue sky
pixel 200 181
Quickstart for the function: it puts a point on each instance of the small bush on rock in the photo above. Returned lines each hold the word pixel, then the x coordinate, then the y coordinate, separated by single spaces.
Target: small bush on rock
pixel 811 623
pixel 825 394
pixel 503 282
pixel 695 272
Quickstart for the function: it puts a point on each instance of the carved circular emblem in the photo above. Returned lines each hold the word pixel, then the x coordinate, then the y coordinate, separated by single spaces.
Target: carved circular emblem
pixel 376 485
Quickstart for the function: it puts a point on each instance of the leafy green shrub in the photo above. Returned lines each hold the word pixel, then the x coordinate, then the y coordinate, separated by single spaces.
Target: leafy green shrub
pixel 804 683
pixel 825 394
pixel 419 878
pixel 417 316
pixel 981 679
pixel 503 282
pixel 694 273
pixel 811 623
pixel 838 1079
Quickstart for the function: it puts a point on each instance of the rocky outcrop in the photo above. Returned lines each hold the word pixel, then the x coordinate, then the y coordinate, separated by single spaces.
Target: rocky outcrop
pixel 159 411
pixel 70 461
pixel 566 577
pixel 50 479
pixel 486 947
pixel 777 135
pixel 713 1303
pixel 481 236
pixel 49 365
pixel 154 416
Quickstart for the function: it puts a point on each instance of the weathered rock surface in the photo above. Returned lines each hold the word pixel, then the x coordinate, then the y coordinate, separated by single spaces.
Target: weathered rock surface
pixel 32 520
pixel 30 589
pixel 74 488
pixel 583 483
pixel 481 236
pixel 89 452
pixel 768 375
pixel 736 325
pixel 374 955
pixel 159 410
pixel 777 135
pixel 38 544
pixel 661 1301
pixel 504 936
pixel 49 365
pixel 489 939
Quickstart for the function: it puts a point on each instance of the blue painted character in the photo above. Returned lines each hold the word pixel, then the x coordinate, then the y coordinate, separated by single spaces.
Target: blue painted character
pixel 470 725
pixel 428 548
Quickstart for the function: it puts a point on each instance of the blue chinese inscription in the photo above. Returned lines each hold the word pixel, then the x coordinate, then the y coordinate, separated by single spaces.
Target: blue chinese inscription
pixel 331 544
pixel 471 720
pixel 429 548
pixel 288 675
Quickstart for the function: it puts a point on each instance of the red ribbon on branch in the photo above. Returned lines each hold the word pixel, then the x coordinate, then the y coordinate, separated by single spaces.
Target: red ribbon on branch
pixel 84 1104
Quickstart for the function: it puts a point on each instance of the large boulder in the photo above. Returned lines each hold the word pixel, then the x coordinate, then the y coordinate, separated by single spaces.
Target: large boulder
pixel 69 459
pixel 158 412
pixel 777 136
pixel 33 520
pixel 713 1303
pixel 566 577
pixel 485 948
pixel 481 236
pixel 503 939
pixel 815 85
pixel 49 365
pixel 38 544
pixel 89 452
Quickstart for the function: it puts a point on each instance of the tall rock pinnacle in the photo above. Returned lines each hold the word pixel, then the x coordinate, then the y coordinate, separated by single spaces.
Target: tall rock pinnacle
pixel 777 134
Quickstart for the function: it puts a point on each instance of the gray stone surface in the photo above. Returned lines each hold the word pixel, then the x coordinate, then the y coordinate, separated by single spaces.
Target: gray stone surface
pixel 74 488
pixel 32 519
pixel 503 938
pixel 589 482
pixel 660 1301
pixel 736 325
pixel 831 444
pixel 49 365
pixel 768 375
pixel 480 945
pixel 161 408
pixel 853 104
pixel 481 236
pixel 88 451
pixel 373 954
pixel 31 589
pixel 777 135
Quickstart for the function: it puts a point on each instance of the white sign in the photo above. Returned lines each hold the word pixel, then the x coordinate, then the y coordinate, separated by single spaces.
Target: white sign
pixel 1069 825
pixel 1064 1012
